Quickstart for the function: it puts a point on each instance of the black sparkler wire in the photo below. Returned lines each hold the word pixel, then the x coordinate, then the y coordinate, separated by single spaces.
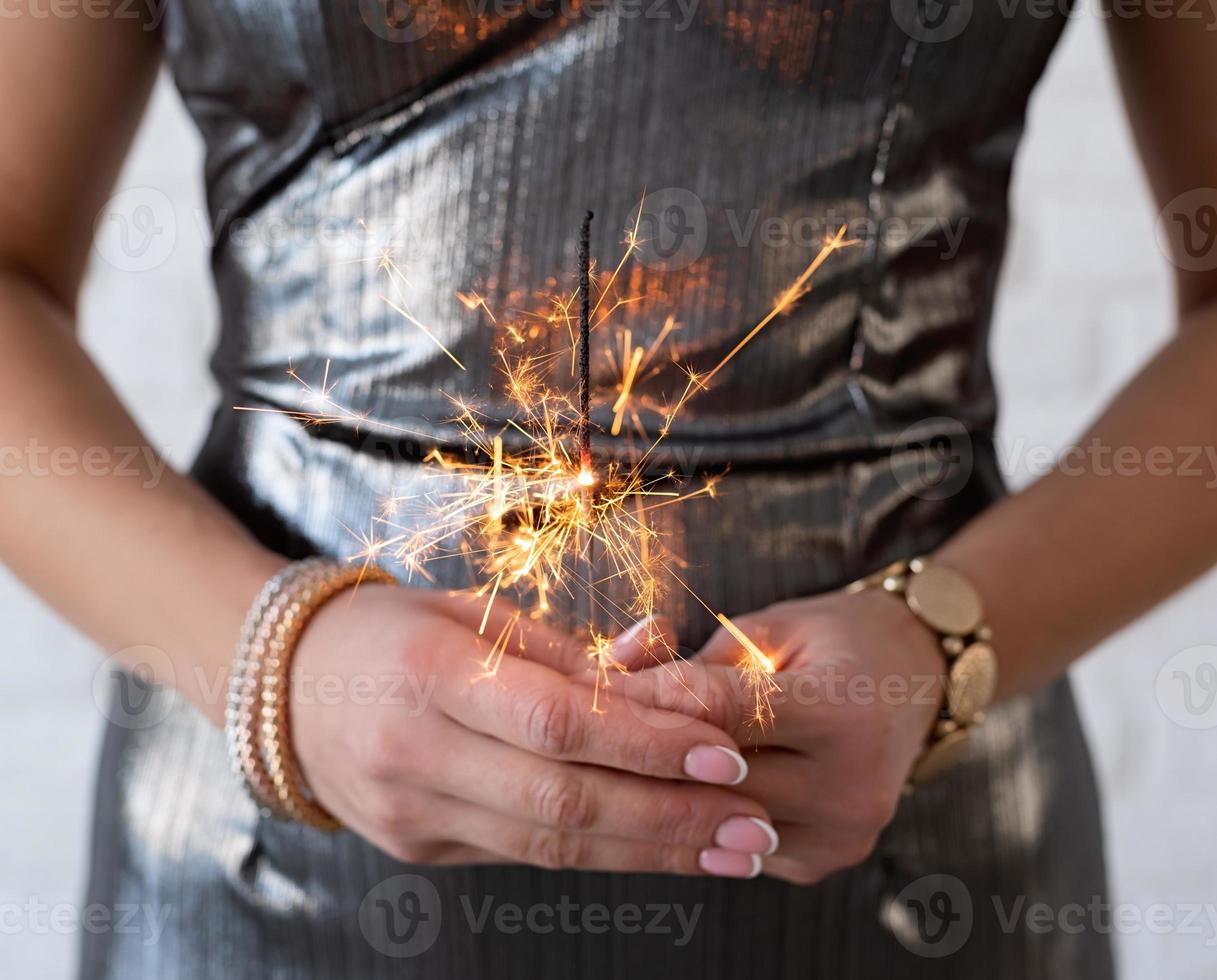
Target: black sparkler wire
pixel 585 395
pixel 584 431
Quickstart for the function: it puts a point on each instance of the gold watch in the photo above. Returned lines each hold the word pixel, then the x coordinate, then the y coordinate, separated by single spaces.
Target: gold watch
pixel 947 603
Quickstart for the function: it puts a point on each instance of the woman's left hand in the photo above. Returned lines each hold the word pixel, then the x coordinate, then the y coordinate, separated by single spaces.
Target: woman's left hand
pixel 858 685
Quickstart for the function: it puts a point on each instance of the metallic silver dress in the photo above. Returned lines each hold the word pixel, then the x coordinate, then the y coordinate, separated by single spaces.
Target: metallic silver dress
pixel 470 138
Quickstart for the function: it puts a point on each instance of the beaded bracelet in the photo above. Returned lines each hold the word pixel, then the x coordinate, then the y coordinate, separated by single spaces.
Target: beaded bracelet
pixel 256 716
pixel 250 758
pixel 239 706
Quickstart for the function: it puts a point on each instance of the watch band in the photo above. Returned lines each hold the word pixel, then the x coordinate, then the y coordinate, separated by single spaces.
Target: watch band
pixel 945 602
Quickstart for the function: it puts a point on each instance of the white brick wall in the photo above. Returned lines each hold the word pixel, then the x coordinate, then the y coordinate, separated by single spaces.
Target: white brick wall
pixel 1086 300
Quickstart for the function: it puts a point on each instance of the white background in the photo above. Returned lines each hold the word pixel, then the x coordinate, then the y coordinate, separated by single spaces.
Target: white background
pixel 1085 300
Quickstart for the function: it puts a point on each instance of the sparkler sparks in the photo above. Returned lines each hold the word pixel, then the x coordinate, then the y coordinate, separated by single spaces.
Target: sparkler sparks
pixel 758 669
pixel 546 518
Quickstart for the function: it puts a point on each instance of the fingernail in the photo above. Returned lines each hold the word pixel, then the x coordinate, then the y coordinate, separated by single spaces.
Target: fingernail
pixel 653 631
pixel 716 764
pixel 749 835
pixel 729 864
pixel 630 635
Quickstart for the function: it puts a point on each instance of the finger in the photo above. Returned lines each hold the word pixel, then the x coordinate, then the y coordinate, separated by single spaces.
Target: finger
pixel 710 693
pixel 754 708
pixel 535 708
pixel 458 853
pixel 649 641
pixel 819 831
pixel 546 847
pixel 591 799
pixel 808 854
pixel 518 633
pixel 789 785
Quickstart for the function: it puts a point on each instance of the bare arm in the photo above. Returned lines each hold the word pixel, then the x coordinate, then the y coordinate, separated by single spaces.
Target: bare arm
pixel 1085 550
pixel 128 562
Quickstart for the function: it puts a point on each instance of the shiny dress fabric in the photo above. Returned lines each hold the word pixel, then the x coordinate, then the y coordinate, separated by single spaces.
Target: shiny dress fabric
pixel 471 145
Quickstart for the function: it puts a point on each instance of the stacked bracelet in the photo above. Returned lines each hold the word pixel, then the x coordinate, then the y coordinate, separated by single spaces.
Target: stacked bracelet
pixel 243 692
pixel 256 716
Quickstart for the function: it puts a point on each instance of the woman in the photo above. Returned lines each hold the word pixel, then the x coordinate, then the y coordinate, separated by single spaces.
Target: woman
pixel 487 133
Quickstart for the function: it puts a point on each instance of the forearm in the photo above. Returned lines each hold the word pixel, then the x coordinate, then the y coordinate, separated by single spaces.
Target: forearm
pixel 92 520
pixel 1125 520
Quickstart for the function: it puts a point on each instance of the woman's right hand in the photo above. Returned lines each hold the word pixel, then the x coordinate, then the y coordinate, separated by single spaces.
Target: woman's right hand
pixel 403 737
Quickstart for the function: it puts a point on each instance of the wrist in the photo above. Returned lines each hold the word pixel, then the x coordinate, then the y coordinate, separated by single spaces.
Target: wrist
pixel 214 627
pixel 1009 610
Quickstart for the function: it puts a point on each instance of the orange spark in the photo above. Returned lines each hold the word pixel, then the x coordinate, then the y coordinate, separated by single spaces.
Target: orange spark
pixel 758 669
pixel 786 299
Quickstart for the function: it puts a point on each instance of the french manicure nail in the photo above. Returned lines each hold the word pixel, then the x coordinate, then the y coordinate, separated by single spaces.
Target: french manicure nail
pixel 729 864
pixel 631 634
pixel 716 764
pixel 749 835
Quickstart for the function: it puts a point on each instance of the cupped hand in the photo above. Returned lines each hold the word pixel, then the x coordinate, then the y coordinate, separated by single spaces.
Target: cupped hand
pixel 858 685
pixel 403 735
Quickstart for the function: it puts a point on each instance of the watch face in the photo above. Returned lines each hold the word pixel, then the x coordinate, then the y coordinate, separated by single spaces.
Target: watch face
pixel 944 600
pixel 971 682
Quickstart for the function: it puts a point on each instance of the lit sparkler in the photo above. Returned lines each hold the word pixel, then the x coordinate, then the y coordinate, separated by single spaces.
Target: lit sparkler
pixel 534 519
